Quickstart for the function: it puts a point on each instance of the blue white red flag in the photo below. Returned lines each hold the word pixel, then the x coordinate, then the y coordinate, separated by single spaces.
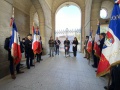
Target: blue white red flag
pixel 111 50
pixel 36 46
pixel 96 46
pixel 15 44
pixel 89 44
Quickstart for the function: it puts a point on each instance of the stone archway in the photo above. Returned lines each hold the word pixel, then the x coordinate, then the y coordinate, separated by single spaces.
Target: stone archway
pixel 37 8
pixel 57 4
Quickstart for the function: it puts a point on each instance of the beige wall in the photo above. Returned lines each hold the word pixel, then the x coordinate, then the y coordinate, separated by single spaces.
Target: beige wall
pixel 88 5
pixel 23 22
pixel 48 24
pixel 5 15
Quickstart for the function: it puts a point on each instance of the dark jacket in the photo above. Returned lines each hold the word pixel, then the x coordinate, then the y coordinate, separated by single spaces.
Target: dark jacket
pixel 67 43
pixel 6 47
pixel 101 44
pixel 57 42
pixel 22 46
pixel 51 43
pixel 28 48
pixel 76 43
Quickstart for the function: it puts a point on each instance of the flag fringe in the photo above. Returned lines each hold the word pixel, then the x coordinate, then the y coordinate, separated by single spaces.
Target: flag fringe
pixel 107 70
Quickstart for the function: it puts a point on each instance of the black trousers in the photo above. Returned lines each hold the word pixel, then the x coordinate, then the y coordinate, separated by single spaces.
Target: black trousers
pixel 12 67
pixel 95 59
pixel 75 53
pixel 38 57
pixel 115 74
pixel 29 60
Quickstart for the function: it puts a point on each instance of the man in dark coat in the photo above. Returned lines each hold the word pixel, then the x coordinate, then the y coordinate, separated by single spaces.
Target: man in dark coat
pixel 10 58
pixel 101 43
pixel 75 43
pixel 29 51
pixel 57 44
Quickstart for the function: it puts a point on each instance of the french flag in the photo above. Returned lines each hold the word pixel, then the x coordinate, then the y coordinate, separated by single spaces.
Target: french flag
pixel 15 44
pixel 89 44
pixel 36 46
pixel 111 50
pixel 97 38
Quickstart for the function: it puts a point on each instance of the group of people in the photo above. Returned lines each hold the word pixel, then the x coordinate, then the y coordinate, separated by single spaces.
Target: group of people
pixel 26 49
pixel 115 70
pixel 54 45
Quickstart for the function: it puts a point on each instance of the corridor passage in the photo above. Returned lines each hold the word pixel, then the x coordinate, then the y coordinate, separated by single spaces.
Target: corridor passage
pixel 57 73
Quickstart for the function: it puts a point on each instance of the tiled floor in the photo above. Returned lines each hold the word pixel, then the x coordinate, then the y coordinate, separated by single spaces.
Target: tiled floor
pixel 57 73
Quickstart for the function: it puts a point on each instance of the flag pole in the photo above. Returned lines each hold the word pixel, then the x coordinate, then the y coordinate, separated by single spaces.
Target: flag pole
pixel 33 37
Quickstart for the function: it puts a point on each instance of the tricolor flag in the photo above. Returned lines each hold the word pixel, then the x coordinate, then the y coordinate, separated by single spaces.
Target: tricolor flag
pixel 36 46
pixel 97 38
pixel 111 50
pixel 89 44
pixel 15 44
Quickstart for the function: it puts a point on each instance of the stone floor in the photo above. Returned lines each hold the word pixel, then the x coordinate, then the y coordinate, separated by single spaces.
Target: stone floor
pixel 57 73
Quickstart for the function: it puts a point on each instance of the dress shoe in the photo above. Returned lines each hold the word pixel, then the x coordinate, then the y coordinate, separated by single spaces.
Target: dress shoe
pixel 41 59
pixel 13 76
pixel 85 57
pixel 32 65
pixel 20 72
pixel 105 87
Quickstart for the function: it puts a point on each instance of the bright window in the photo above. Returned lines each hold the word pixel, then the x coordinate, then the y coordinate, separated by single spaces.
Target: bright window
pixel 103 13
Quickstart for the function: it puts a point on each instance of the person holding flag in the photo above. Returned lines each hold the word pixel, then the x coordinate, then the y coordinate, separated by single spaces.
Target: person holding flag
pixel 89 45
pixel 36 45
pixel 110 57
pixel 12 45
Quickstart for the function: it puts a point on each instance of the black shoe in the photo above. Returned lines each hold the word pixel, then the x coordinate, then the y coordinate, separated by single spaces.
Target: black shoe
pixel 105 87
pixel 20 72
pixel 32 65
pixel 41 59
pixel 28 67
pixel 52 55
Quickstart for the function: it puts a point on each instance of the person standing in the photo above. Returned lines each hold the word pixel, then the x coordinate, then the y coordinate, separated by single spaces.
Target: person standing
pixel 67 46
pixel 40 54
pixel 57 45
pixel 75 43
pixel 85 47
pixel 51 46
pixel 10 58
pixel 29 51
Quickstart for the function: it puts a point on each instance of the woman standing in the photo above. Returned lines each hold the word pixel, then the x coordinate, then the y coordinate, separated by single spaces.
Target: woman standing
pixel 75 43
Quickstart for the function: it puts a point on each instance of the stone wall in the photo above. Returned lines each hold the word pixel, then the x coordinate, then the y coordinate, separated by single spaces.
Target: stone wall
pixel 22 20
pixel 88 5
pixel 23 23
pixel 5 15
pixel 48 23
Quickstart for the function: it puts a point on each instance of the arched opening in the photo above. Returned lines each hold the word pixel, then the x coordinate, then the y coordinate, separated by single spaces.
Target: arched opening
pixel 68 23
